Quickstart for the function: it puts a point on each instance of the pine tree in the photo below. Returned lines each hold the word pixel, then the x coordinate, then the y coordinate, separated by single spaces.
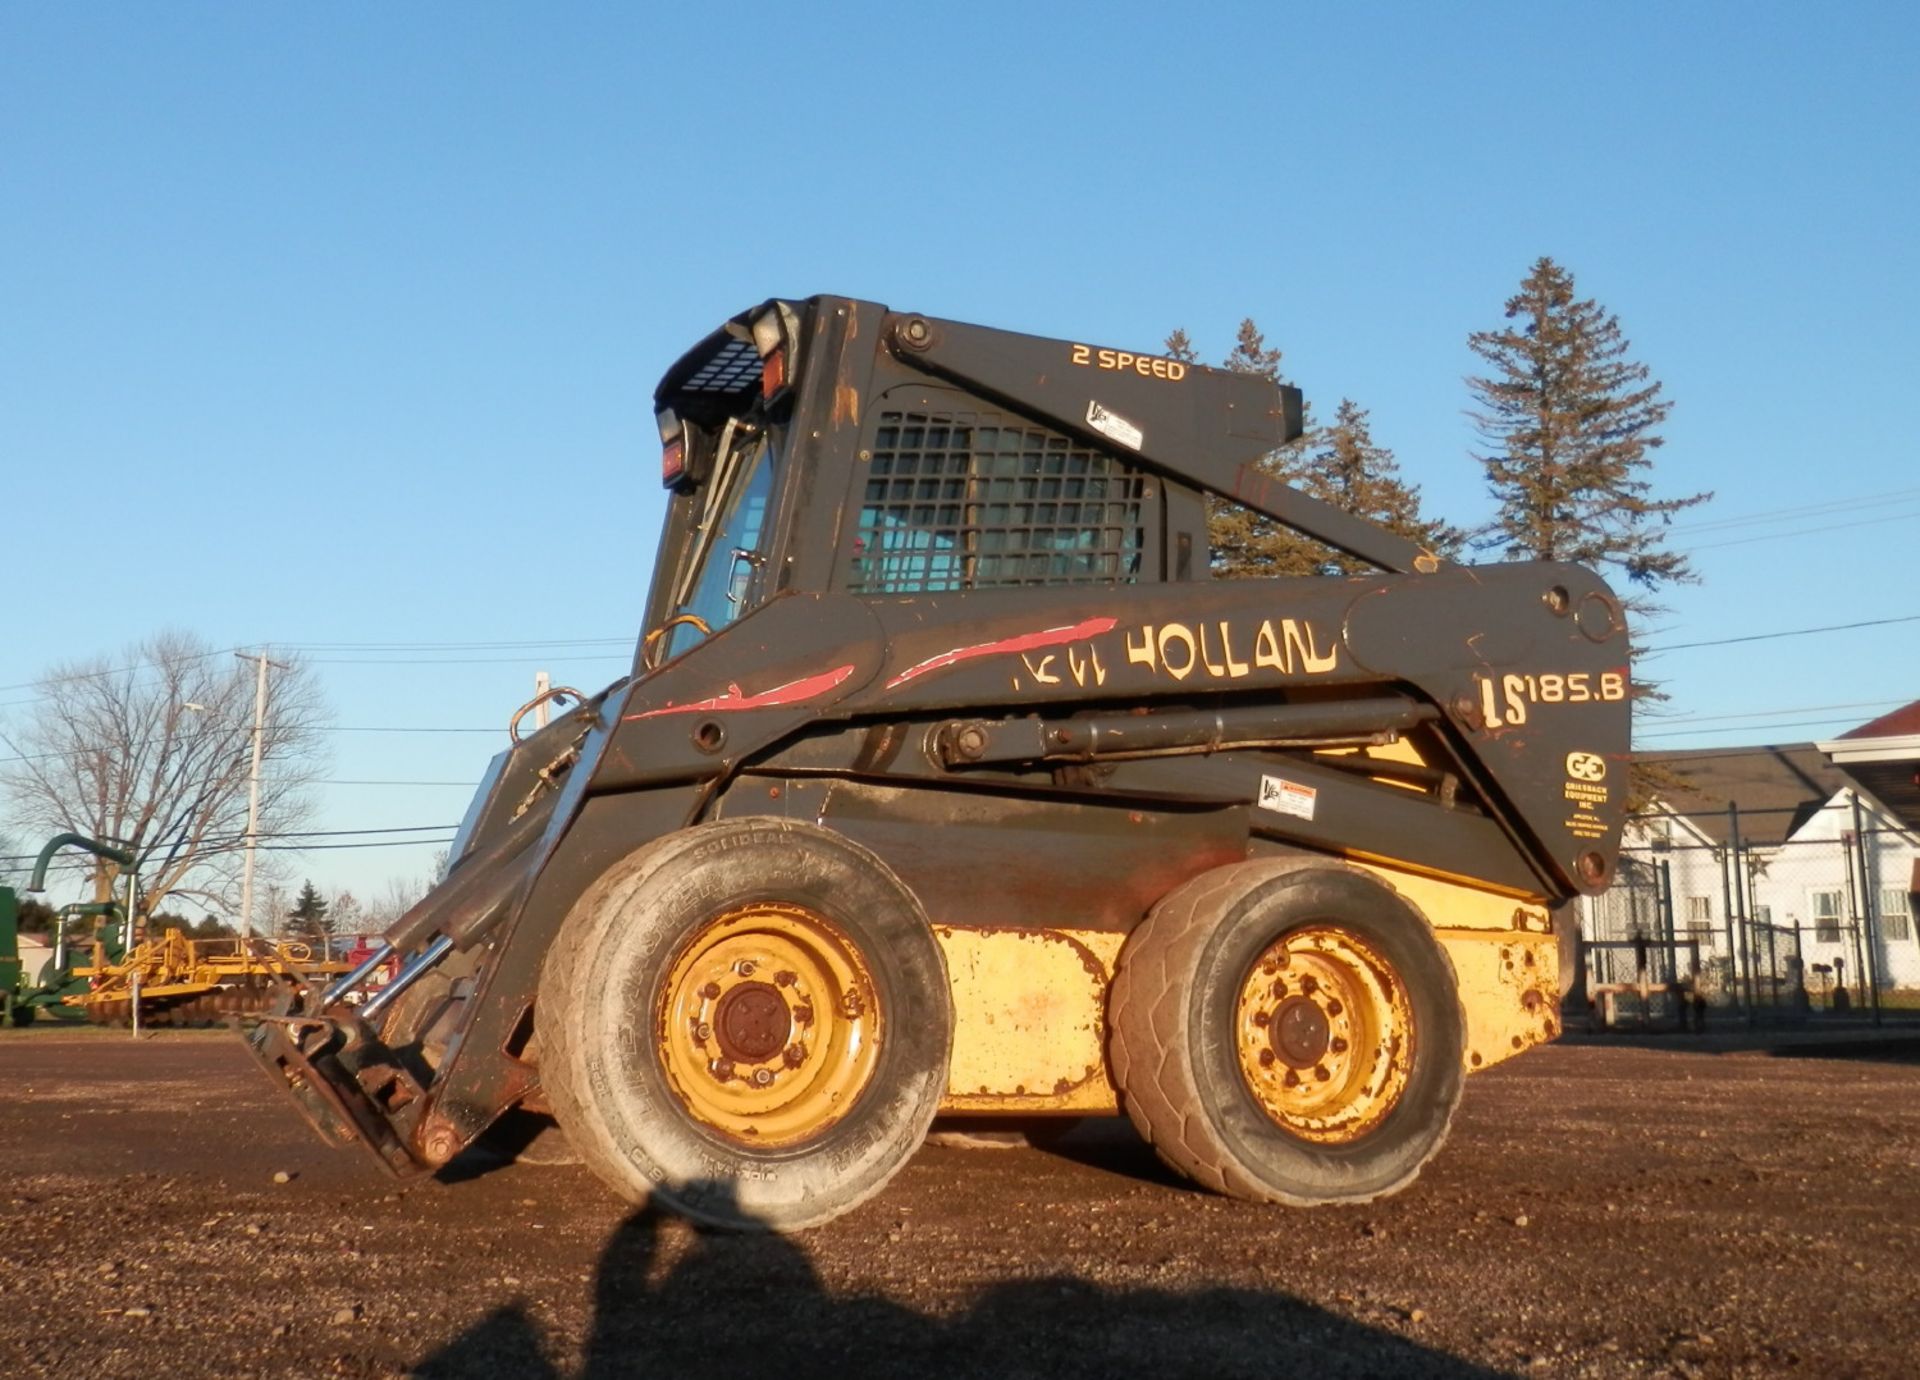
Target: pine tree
pixel 1339 465
pixel 1570 422
pixel 1349 471
pixel 308 918
pixel 1245 543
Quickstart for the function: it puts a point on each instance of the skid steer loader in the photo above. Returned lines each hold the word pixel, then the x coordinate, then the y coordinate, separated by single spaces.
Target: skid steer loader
pixel 947 780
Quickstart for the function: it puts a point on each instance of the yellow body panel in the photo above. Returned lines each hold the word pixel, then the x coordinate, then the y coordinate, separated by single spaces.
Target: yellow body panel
pixel 1029 1020
pixel 1029 1004
pixel 1509 988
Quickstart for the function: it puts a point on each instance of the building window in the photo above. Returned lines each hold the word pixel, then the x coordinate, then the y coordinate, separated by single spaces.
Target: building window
pixel 1826 916
pixel 1699 908
pixel 1896 914
pixel 1701 933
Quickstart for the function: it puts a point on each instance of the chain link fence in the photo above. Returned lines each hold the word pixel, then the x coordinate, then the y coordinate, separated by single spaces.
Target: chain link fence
pixel 1817 927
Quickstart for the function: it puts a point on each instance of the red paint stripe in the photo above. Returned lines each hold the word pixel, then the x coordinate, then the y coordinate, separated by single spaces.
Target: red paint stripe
pixel 793 692
pixel 1024 642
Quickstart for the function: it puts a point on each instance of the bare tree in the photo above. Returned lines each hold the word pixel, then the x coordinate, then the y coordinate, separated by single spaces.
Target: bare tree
pixel 153 753
pixel 401 894
pixel 346 917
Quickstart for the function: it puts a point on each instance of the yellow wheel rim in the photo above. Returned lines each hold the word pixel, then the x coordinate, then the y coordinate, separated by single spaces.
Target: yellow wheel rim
pixel 769 1026
pixel 1325 1034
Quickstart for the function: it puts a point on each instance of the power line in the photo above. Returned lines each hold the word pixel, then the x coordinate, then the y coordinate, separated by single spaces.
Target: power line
pixel 390 728
pixel 315 728
pixel 1792 632
pixel 223 841
pixel 1798 511
pixel 112 671
pixel 324 847
pixel 550 646
pixel 1806 531
pixel 331 781
pixel 626 641
pixel 1745 728
pixel 454 661
pixel 1772 713
pixel 335 833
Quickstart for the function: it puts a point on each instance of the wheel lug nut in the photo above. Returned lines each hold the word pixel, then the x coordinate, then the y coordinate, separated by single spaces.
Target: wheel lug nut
pixel 703 1032
pixel 745 967
pixel 1334 1008
pixel 722 1069
pixel 710 991
pixel 762 1077
pixel 1337 1045
pixel 1266 1058
pixel 803 1015
pixel 1262 1019
pixel 1309 984
pixel 795 1056
pixel 1280 990
pixel 1293 1079
pixel 1320 1072
pixel 783 978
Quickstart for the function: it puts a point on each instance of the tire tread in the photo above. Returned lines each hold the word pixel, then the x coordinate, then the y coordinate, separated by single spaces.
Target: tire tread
pixel 1150 1038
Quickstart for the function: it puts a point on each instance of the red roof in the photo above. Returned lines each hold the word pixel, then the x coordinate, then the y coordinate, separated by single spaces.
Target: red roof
pixel 1898 724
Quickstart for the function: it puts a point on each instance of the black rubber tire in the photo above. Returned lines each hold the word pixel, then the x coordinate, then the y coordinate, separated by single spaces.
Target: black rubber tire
pixel 1171 1041
pixel 600 991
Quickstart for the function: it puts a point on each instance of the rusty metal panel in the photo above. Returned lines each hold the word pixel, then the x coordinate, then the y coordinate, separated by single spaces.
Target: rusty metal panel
pixel 1506 960
pixel 1510 989
pixel 1029 1009
pixel 1453 906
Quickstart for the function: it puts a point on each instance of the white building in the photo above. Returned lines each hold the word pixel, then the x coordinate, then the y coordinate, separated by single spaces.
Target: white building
pixel 1754 859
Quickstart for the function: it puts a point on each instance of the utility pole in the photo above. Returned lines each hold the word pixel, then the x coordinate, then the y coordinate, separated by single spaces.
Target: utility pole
pixel 1868 898
pixel 261 662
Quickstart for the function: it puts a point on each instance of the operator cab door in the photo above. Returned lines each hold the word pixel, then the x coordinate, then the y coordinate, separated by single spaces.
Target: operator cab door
pixel 729 546
pixel 959 494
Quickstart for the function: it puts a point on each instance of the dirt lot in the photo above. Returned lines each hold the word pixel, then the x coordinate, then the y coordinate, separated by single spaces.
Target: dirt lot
pixel 1598 1211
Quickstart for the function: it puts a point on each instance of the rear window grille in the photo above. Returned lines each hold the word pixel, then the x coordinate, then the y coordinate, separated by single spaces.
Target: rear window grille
pixel 734 368
pixel 976 500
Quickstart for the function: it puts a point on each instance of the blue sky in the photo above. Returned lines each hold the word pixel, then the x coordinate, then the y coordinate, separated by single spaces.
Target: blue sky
pixel 339 325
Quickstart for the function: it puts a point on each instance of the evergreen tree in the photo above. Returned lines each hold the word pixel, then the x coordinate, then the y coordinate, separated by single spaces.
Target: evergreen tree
pixel 1570 422
pixel 1340 465
pixel 1349 471
pixel 308 918
pixel 1245 543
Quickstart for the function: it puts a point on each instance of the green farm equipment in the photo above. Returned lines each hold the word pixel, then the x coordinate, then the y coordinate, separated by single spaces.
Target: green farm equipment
pixel 174 980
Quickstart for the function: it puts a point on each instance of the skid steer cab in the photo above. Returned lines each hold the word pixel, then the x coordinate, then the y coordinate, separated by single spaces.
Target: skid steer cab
pixel 947 781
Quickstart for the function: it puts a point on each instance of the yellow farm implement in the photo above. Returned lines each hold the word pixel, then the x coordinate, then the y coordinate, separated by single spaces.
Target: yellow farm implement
pixel 182 981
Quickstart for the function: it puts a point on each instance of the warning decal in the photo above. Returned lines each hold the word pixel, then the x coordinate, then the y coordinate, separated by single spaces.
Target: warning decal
pixel 1114 427
pixel 1285 797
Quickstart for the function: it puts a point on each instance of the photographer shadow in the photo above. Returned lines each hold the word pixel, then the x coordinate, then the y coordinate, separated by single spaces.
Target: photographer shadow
pixel 749 1304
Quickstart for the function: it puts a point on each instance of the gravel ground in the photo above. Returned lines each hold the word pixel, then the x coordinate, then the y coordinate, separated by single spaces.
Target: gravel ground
pixel 1599 1211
